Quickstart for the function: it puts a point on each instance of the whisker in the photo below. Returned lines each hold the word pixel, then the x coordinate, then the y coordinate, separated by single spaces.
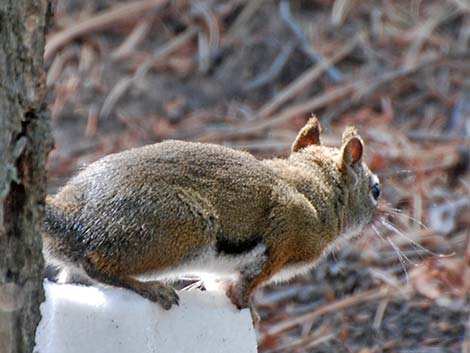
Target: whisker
pixel 398 212
pixel 394 173
pixel 333 254
pixel 396 249
pixel 394 229
pixel 377 232
pixel 402 252
pixel 391 227
pixel 400 257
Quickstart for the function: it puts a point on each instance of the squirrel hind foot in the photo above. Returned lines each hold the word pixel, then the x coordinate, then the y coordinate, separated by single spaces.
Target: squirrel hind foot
pixel 159 293
pixel 242 301
pixel 72 275
pixel 154 291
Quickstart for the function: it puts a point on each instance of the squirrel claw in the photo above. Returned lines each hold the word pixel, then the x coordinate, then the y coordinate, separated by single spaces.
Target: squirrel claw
pixel 254 315
pixel 160 293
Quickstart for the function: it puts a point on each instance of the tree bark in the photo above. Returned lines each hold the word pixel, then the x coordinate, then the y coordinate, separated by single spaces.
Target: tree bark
pixel 25 141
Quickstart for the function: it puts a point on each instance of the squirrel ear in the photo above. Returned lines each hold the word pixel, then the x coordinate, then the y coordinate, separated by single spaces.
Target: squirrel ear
pixel 353 147
pixel 309 135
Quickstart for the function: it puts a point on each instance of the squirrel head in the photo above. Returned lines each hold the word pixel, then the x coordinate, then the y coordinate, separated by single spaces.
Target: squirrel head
pixel 350 181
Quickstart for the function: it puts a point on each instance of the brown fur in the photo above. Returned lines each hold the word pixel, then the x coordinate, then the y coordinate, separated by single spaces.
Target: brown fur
pixel 155 208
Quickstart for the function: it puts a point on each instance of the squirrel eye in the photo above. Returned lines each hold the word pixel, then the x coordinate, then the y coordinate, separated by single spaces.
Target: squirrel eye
pixel 376 191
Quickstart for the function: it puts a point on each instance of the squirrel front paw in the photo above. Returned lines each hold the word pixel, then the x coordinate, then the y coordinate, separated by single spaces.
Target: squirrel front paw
pixel 158 293
pixel 237 296
pixel 242 300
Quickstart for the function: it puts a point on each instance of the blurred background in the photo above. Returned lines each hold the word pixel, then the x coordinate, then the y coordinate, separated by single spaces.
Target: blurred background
pixel 248 74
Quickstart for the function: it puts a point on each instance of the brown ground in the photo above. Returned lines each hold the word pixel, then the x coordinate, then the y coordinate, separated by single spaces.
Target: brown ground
pixel 246 74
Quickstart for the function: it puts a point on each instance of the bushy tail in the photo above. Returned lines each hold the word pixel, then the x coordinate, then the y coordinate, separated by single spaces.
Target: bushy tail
pixel 62 246
pixel 58 235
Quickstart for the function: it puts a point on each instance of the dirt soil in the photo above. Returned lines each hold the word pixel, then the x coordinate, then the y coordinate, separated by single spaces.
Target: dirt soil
pixel 248 74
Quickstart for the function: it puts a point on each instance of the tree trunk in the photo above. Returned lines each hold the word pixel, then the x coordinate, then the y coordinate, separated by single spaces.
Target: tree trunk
pixel 25 140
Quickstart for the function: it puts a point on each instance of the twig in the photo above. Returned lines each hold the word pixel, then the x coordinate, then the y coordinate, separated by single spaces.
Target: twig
pixel 274 70
pixel 304 343
pixel 124 84
pixel 431 136
pixel 315 103
pixel 466 340
pixel 118 90
pixel 360 88
pixel 337 111
pixel 174 44
pixel 305 79
pixel 372 294
pixel 302 108
pixel 459 117
pixel 379 314
pixel 55 69
pixel 464 34
pixel 365 87
pixel 462 4
pixel 133 39
pixel 424 30
pixel 208 45
pixel 98 22
pixel 287 293
pixel 259 146
pixel 248 11
pixel 92 121
pixel 340 7
pixel 286 15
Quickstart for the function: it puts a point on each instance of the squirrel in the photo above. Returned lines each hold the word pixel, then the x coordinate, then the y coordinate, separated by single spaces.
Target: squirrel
pixel 183 207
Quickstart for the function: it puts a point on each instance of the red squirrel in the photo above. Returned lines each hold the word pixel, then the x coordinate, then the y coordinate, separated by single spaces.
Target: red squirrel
pixel 180 207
